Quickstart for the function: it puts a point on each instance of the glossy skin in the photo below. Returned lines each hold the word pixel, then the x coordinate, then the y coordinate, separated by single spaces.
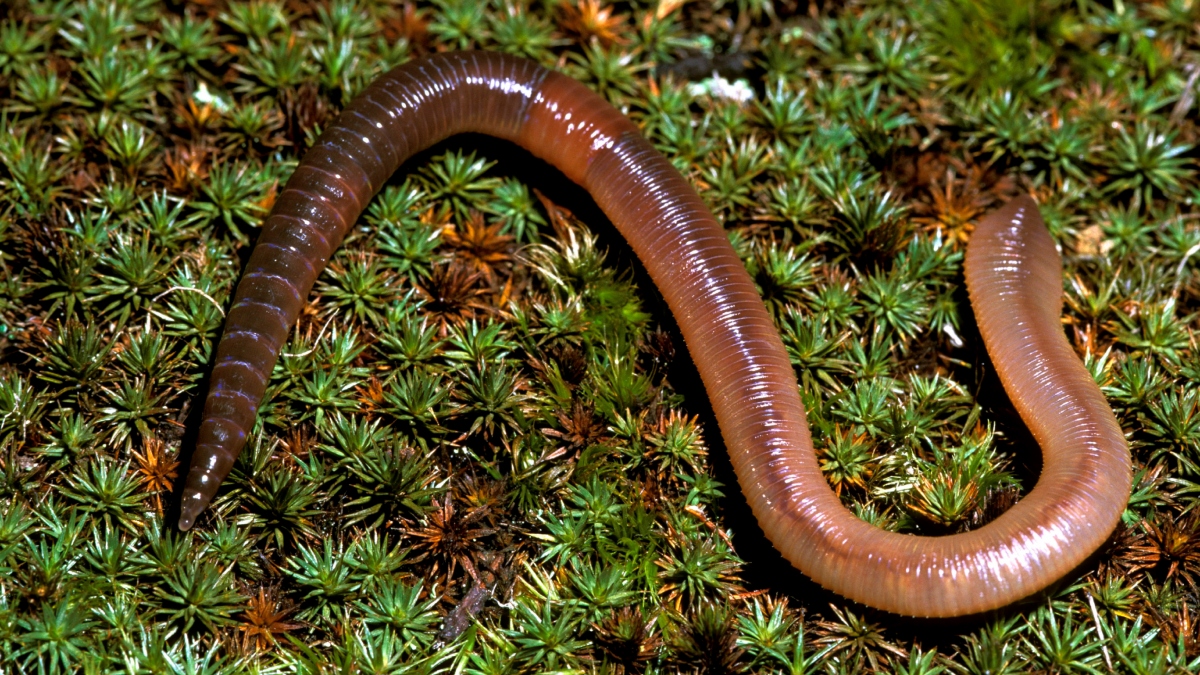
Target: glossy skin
pixel 1013 273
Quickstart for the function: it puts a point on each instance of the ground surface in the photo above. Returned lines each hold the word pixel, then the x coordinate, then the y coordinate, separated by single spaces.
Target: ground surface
pixel 485 450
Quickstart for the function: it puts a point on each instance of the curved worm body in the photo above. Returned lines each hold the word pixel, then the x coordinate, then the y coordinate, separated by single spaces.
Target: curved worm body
pixel 1013 273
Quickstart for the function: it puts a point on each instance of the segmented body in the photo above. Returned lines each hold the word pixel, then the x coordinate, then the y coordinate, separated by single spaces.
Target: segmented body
pixel 1013 273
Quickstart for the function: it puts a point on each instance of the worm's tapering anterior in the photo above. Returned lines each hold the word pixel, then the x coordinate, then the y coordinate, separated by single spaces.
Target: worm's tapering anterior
pixel 1013 274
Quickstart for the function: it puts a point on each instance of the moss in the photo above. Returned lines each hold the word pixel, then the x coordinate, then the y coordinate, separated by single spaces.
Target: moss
pixel 483 450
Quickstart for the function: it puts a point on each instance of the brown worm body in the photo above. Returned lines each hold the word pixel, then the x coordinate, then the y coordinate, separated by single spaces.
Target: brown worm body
pixel 1013 272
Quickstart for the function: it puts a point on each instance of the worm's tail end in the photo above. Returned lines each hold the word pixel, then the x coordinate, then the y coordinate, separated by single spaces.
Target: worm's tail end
pixel 193 505
pixel 218 445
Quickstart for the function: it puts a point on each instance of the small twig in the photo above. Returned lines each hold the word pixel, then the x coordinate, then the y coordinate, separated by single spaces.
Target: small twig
pixel 1100 631
pixel 698 512
pixel 192 290
pixel 1179 270
pixel 1187 96
pixel 315 342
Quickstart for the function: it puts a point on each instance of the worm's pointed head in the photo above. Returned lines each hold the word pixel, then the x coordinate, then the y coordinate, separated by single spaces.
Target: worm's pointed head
pixel 210 464
pixel 197 493
pixel 202 483
pixel 194 503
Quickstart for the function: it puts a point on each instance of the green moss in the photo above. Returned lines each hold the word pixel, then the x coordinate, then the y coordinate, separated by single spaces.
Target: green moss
pixel 479 452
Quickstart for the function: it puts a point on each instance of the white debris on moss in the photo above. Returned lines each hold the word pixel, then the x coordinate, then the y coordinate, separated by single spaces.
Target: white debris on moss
pixel 205 97
pixel 719 87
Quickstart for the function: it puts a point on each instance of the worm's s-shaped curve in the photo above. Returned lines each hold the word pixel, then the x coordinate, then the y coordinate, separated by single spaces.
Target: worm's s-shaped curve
pixel 1013 272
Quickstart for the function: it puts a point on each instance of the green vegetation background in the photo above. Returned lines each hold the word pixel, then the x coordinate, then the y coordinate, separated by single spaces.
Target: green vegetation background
pixel 476 455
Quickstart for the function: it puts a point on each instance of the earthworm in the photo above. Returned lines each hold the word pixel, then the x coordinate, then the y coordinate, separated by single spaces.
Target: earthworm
pixel 1014 278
